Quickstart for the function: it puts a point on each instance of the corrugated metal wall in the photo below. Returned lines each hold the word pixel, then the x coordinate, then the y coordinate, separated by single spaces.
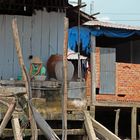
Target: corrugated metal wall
pixel 107 71
pixel 40 35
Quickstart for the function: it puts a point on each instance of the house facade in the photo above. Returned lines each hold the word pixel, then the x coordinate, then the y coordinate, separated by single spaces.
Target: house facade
pixel 40 35
pixel 117 58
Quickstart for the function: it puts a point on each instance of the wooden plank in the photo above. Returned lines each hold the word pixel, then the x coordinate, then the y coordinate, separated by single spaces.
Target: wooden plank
pixel 60 33
pixel 117 104
pixel 12 90
pixel 93 69
pixel 89 128
pixel 26 41
pixel 53 33
pixel 2 45
pixel 103 130
pixel 16 128
pixel 134 123
pixel 45 36
pixel 8 69
pixel 27 132
pixel 117 121
pixel 36 24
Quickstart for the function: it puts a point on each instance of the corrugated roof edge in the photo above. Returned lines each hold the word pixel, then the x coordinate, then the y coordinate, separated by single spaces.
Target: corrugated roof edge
pixel 111 25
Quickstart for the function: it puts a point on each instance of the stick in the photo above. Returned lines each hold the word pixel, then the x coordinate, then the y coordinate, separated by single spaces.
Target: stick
pixel 25 76
pixel 64 101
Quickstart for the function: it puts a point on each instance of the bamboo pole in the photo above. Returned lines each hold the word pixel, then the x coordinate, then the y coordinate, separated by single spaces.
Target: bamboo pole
pixel 7 117
pixel 64 100
pixel 25 76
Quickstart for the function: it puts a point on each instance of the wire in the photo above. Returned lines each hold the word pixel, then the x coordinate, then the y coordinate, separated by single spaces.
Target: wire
pixel 123 20
pixel 120 13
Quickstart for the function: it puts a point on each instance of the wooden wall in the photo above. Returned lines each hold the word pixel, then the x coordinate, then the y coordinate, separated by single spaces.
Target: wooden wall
pixel 40 35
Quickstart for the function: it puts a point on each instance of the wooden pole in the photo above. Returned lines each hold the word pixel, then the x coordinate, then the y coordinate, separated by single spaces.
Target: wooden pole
pixel 134 123
pixel 16 128
pixel 7 117
pixel 65 96
pixel 25 76
pixel 117 121
pixel 79 61
pixel 89 128
pixel 93 69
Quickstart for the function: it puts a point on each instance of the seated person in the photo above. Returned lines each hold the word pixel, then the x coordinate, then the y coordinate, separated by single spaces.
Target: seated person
pixel 37 68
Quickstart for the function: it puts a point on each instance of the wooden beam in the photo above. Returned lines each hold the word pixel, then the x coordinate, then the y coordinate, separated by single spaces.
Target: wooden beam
pixel 117 121
pixel 16 128
pixel 27 132
pixel 11 91
pixel 89 128
pixel 116 104
pixel 93 69
pixel 103 130
pixel 134 123
pixel 65 92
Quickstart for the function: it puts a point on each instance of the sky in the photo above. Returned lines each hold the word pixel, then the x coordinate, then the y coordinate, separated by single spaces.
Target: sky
pixel 117 11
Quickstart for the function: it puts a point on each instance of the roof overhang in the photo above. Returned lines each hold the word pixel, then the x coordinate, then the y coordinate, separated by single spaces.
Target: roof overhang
pixel 104 40
pixel 96 23
pixel 28 7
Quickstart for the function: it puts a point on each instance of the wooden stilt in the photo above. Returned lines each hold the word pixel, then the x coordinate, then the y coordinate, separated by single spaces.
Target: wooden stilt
pixel 16 128
pixel 134 123
pixel 92 111
pixel 117 121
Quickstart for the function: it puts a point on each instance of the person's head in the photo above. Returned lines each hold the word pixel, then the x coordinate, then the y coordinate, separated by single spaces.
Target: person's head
pixel 36 61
